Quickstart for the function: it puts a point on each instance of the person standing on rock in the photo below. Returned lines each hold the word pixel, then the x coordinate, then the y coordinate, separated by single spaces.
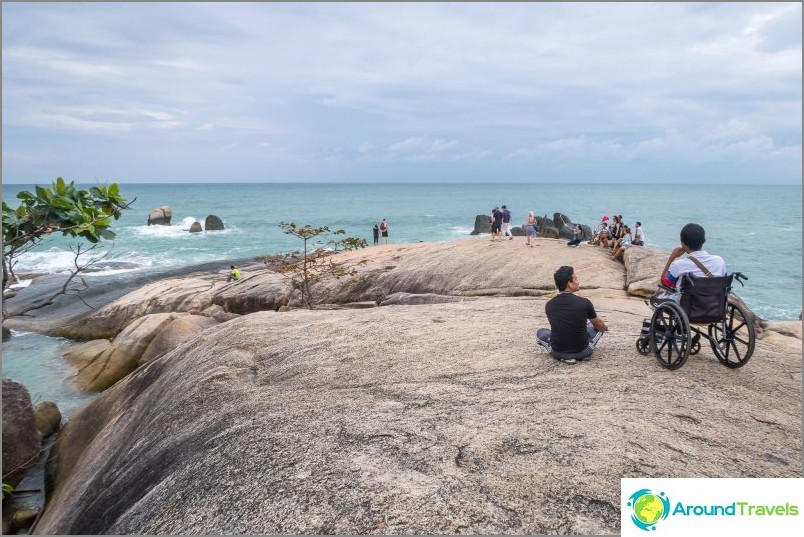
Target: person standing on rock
pixel 384 231
pixel 575 327
pixel 506 223
pixel 530 228
pixel 496 223
pixel 376 232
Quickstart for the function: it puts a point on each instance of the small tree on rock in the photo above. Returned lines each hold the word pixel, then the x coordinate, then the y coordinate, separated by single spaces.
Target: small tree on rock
pixel 83 214
pixel 314 261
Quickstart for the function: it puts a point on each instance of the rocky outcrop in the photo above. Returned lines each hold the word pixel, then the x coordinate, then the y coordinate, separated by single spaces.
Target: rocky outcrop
pixel 181 329
pixel 21 440
pixel 504 268
pixel 482 224
pixel 160 216
pixel 101 363
pixel 195 227
pixel 213 223
pixel 644 266
pixel 264 290
pixel 48 418
pixel 437 418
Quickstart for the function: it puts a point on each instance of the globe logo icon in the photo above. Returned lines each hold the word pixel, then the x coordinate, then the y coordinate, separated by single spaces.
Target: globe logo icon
pixel 648 508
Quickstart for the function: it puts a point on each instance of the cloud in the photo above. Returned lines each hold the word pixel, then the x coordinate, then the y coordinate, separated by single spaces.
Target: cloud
pixel 502 84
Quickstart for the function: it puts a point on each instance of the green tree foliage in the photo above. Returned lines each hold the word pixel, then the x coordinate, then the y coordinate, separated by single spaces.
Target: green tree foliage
pixel 84 214
pixel 314 261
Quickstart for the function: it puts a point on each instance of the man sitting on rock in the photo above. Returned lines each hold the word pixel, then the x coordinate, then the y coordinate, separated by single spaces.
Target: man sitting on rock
pixel 575 327
pixel 234 274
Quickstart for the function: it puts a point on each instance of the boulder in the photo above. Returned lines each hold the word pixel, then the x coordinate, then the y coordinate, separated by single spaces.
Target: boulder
pixel 264 290
pixel 482 224
pixel 21 440
pixel 48 418
pixel 101 363
pixel 643 267
pixel 196 227
pixel 6 331
pixel 160 216
pixel 174 334
pixel 213 223
pixel 518 231
pixel 561 220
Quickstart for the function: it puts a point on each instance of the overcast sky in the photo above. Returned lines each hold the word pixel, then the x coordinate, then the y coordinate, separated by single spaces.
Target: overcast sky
pixel 451 92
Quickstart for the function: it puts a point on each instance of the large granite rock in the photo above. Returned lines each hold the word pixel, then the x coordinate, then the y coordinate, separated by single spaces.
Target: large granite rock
pixel 160 216
pixel 213 223
pixel 265 290
pixel 101 363
pixel 429 419
pixel 21 440
pixel 195 227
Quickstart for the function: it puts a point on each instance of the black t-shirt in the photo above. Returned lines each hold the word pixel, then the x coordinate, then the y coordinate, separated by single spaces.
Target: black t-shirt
pixel 567 314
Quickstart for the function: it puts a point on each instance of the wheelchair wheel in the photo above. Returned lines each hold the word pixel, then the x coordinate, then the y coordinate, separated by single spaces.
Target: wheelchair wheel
pixel 670 339
pixel 643 345
pixel 733 339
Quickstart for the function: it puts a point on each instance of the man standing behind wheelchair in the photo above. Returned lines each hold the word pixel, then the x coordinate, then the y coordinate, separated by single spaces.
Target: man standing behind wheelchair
pixel 697 263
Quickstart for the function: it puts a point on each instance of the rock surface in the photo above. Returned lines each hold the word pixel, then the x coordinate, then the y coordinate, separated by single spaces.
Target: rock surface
pixel 21 440
pixel 438 417
pixel 160 216
pixel 195 227
pixel 101 363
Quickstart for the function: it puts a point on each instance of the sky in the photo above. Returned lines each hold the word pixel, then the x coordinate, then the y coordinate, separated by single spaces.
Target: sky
pixel 402 92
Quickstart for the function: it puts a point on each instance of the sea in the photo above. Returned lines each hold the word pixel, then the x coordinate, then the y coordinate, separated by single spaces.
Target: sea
pixel 755 228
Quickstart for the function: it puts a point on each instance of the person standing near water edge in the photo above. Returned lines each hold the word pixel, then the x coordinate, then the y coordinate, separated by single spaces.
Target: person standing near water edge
pixel 506 223
pixel 376 232
pixel 384 231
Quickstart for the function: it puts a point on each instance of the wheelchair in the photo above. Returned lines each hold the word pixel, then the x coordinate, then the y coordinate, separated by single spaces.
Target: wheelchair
pixel 704 311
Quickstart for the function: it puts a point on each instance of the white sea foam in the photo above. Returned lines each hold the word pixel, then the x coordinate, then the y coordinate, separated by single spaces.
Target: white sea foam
pixel 462 230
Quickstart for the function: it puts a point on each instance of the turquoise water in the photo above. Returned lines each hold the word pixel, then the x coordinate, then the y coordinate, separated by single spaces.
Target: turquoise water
pixel 757 229
pixel 36 361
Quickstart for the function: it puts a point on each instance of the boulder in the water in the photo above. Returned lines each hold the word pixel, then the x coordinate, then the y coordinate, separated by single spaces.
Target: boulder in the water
pixel 160 216
pixel 213 223
pixel 196 227
pixel 482 224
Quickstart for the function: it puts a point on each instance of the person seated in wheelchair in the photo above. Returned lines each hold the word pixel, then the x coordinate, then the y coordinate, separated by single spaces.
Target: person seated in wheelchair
pixel 696 262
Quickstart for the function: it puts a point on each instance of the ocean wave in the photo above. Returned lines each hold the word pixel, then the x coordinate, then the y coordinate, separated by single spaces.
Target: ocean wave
pixel 462 230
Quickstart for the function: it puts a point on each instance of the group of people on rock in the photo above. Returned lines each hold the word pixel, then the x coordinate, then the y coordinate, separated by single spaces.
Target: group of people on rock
pixel 618 236
pixel 575 327
pixel 500 220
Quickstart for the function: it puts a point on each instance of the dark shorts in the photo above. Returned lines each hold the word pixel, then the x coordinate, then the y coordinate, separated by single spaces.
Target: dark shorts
pixel 384 233
pixel 495 227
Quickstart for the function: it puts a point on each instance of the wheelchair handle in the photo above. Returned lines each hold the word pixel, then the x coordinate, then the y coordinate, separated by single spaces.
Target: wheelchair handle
pixel 739 276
